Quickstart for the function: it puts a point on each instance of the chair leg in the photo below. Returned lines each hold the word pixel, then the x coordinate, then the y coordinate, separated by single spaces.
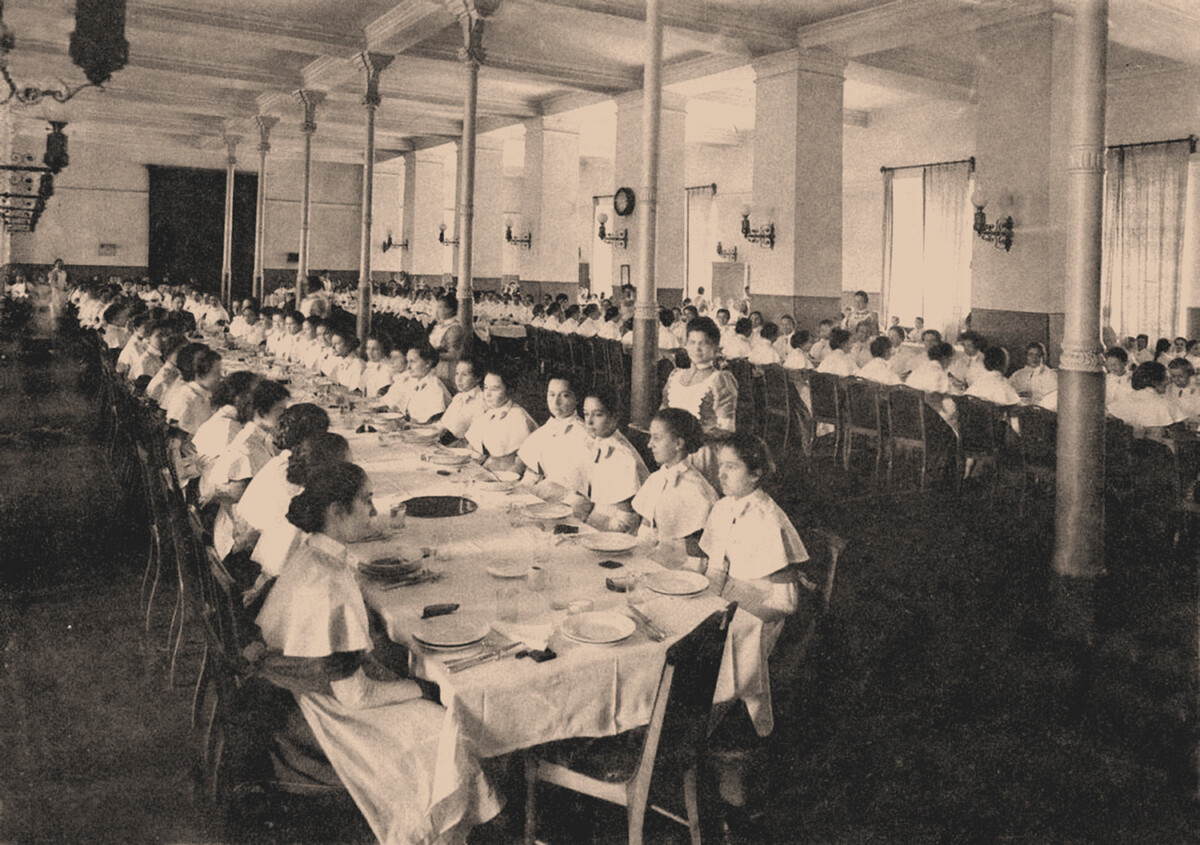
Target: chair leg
pixel 691 803
pixel 201 678
pixel 531 782
pixel 179 614
pixel 636 808
pixel 846 449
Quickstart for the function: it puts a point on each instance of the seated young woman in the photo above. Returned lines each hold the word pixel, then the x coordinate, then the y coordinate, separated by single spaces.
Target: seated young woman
pixel 499 431
pixel 226 478
pixel 377 371
pixel 708 394
pixel 613 469
pixel 751 546
pixel 1147 405
pixel 467 403
pixel 264 502
pixel 396 396
pixel 426 398
pixel 383 738
pixel 169 346
pixel 231 398
pixel 990 384
pixel 674 502
pixel 552 455
pixel 189 403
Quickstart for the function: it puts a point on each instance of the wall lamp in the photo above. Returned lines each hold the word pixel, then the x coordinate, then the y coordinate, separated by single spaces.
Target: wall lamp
pixel 621 240
pixel 761 235
pixel 390 244
pixel 525 240
pixel 442 239
pixel 727 254
pixel 1000 233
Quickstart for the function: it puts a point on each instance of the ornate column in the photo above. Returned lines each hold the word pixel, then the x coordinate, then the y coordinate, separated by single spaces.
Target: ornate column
pixel 309 100
pixel 373 64
pixel 265 125
pixel 645 314
pixel 471 15
pixel 231 142
pixel 1079 515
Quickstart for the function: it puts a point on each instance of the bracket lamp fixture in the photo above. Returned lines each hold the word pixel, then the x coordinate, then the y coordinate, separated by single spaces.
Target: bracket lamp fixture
pixel 525 240
pixel 442 239
pixel 1000 233
pixel 761 235
pixel 390 244
pixel 727 254
pixel 621 240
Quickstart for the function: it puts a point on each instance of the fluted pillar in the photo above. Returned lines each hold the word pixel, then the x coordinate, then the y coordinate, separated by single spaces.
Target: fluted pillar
pixel 231 142
pixel 645 315
pixel 1079 515
pixel 471 16
pixel 373 64
pixel 309 100
pixel 265 124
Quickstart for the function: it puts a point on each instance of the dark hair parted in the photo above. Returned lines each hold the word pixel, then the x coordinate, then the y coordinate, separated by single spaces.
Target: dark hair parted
pixel 314 454
pixel 335 484
pixel 1149 374
pixel 752 452
pixel 236 389
pixel 683 425
pixel 299 422
pixel 266 395
pixel 707 327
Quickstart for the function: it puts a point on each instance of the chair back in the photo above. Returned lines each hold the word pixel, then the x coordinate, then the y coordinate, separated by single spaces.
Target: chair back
pixel 825 405
pixel 863 406
pixel 1039 436
pixel 981 425
pixel 777 406
pixel 747 413
pixel 906 416
pixel 679 722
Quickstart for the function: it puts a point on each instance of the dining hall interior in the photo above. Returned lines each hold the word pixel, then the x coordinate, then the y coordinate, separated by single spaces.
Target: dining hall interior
pixel 978 619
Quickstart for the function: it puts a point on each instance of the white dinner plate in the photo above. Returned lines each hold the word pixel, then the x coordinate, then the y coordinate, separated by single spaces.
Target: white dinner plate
pixel 676 582
pixel 511 569
pixel 452 631
pixel 445 460
pixel 419 435
pixel 390 416
pixel 548 510
pixel 598 627
pixel 490 486
pixel 610 542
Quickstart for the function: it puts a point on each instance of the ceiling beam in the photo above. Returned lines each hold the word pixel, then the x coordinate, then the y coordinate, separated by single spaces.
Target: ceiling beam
pixel 519 68
pixel 909 83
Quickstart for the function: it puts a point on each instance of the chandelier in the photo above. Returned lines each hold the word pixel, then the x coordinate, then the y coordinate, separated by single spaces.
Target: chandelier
pixel 98 46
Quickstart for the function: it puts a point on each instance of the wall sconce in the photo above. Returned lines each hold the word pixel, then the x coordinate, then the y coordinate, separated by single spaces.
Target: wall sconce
pixel 390 244
pixel 621 240
pixel 442 239
pixel 525 240
pixel 1000 233
pixel 761 235
pixel 727 254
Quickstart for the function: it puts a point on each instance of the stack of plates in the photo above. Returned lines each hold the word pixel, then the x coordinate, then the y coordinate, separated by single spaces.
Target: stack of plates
pixel 548 510
pixel 598 627
pixel 393 570
pixel 609 542
pixel 676 582
pixel 453 631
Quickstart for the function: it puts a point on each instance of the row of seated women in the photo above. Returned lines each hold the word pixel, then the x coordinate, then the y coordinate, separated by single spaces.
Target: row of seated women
pixel 289 497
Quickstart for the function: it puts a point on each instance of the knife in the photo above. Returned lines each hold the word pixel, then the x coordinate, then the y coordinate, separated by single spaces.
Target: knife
pixel 472 662
pixel 656 633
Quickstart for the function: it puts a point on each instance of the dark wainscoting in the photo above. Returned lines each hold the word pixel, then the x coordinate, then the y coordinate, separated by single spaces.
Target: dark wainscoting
pixel 1014 330
pixel 81 272
pixel 808 311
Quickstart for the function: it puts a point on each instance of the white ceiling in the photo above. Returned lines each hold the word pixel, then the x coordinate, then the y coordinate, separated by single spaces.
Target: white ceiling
pixel 199 68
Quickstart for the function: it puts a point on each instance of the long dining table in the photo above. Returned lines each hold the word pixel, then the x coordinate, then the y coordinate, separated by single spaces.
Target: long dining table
pixel 480 561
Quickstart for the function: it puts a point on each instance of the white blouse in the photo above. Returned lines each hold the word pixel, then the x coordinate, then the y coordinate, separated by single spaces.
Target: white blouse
pixel 462 411
pixel 427 398
pixel 499 432
pixel 675 500
pixel 878 370
pixel 991 386
pixel 396 396
pixel 349 372
pixel 247 453
pixel 555 451
pixel 190 406
pixel 376 378
pixel 212 438
pixel 712 400
pixel 269 495
pixel 614 470
pixel 1146 408
pixel 838 363
pixel 163 375
pixel 753 534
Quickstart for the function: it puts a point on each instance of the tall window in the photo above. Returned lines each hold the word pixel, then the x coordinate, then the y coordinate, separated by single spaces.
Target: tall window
pixel 1144 192
pixel 927 219
pixel 701 208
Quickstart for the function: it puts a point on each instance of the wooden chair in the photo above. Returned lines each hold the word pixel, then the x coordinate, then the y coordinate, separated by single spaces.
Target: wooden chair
pixel 982 431
pixel 865 417
pixel 747 418
pixel 826 408
pixel 1039 447
pixel 777 407
pixel 622 769
pixel 906 429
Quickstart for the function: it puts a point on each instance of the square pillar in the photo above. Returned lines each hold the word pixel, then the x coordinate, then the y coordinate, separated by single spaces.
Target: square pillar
pixel 549 186
pixel 422 213
pixel 797 184
pixel 487 241
pixel 627 172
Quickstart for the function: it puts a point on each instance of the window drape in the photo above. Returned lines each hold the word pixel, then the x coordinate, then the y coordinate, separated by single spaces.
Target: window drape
pixel 927 245
pixel 1144 192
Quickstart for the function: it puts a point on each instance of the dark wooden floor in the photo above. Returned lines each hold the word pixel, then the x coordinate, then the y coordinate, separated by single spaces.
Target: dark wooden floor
pixel 941 704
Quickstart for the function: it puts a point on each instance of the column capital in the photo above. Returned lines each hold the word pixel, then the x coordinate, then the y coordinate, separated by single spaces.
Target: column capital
pixel 309 100
pixel 231 142
pixel 265 123
pixel 799 61
pixel 373 64
pixel 471 15
pixel 1081 359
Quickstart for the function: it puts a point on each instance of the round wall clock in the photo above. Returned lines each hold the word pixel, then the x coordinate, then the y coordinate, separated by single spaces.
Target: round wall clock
pixel 623 201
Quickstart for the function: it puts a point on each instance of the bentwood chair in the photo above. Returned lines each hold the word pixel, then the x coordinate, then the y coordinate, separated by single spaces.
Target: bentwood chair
pixel 625 768
pixel 906 429
pixel 982 430
pixel 865 419
pixel 747 418
pixel 777 407
pixel 826 409
pixel 1039 447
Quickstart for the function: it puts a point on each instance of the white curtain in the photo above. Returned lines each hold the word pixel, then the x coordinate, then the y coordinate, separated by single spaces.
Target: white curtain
pixel 1145 189
pixel 927 245
pixel 701 244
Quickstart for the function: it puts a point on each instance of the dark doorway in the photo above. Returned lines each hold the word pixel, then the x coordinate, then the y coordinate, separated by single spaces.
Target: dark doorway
pixel 187 225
